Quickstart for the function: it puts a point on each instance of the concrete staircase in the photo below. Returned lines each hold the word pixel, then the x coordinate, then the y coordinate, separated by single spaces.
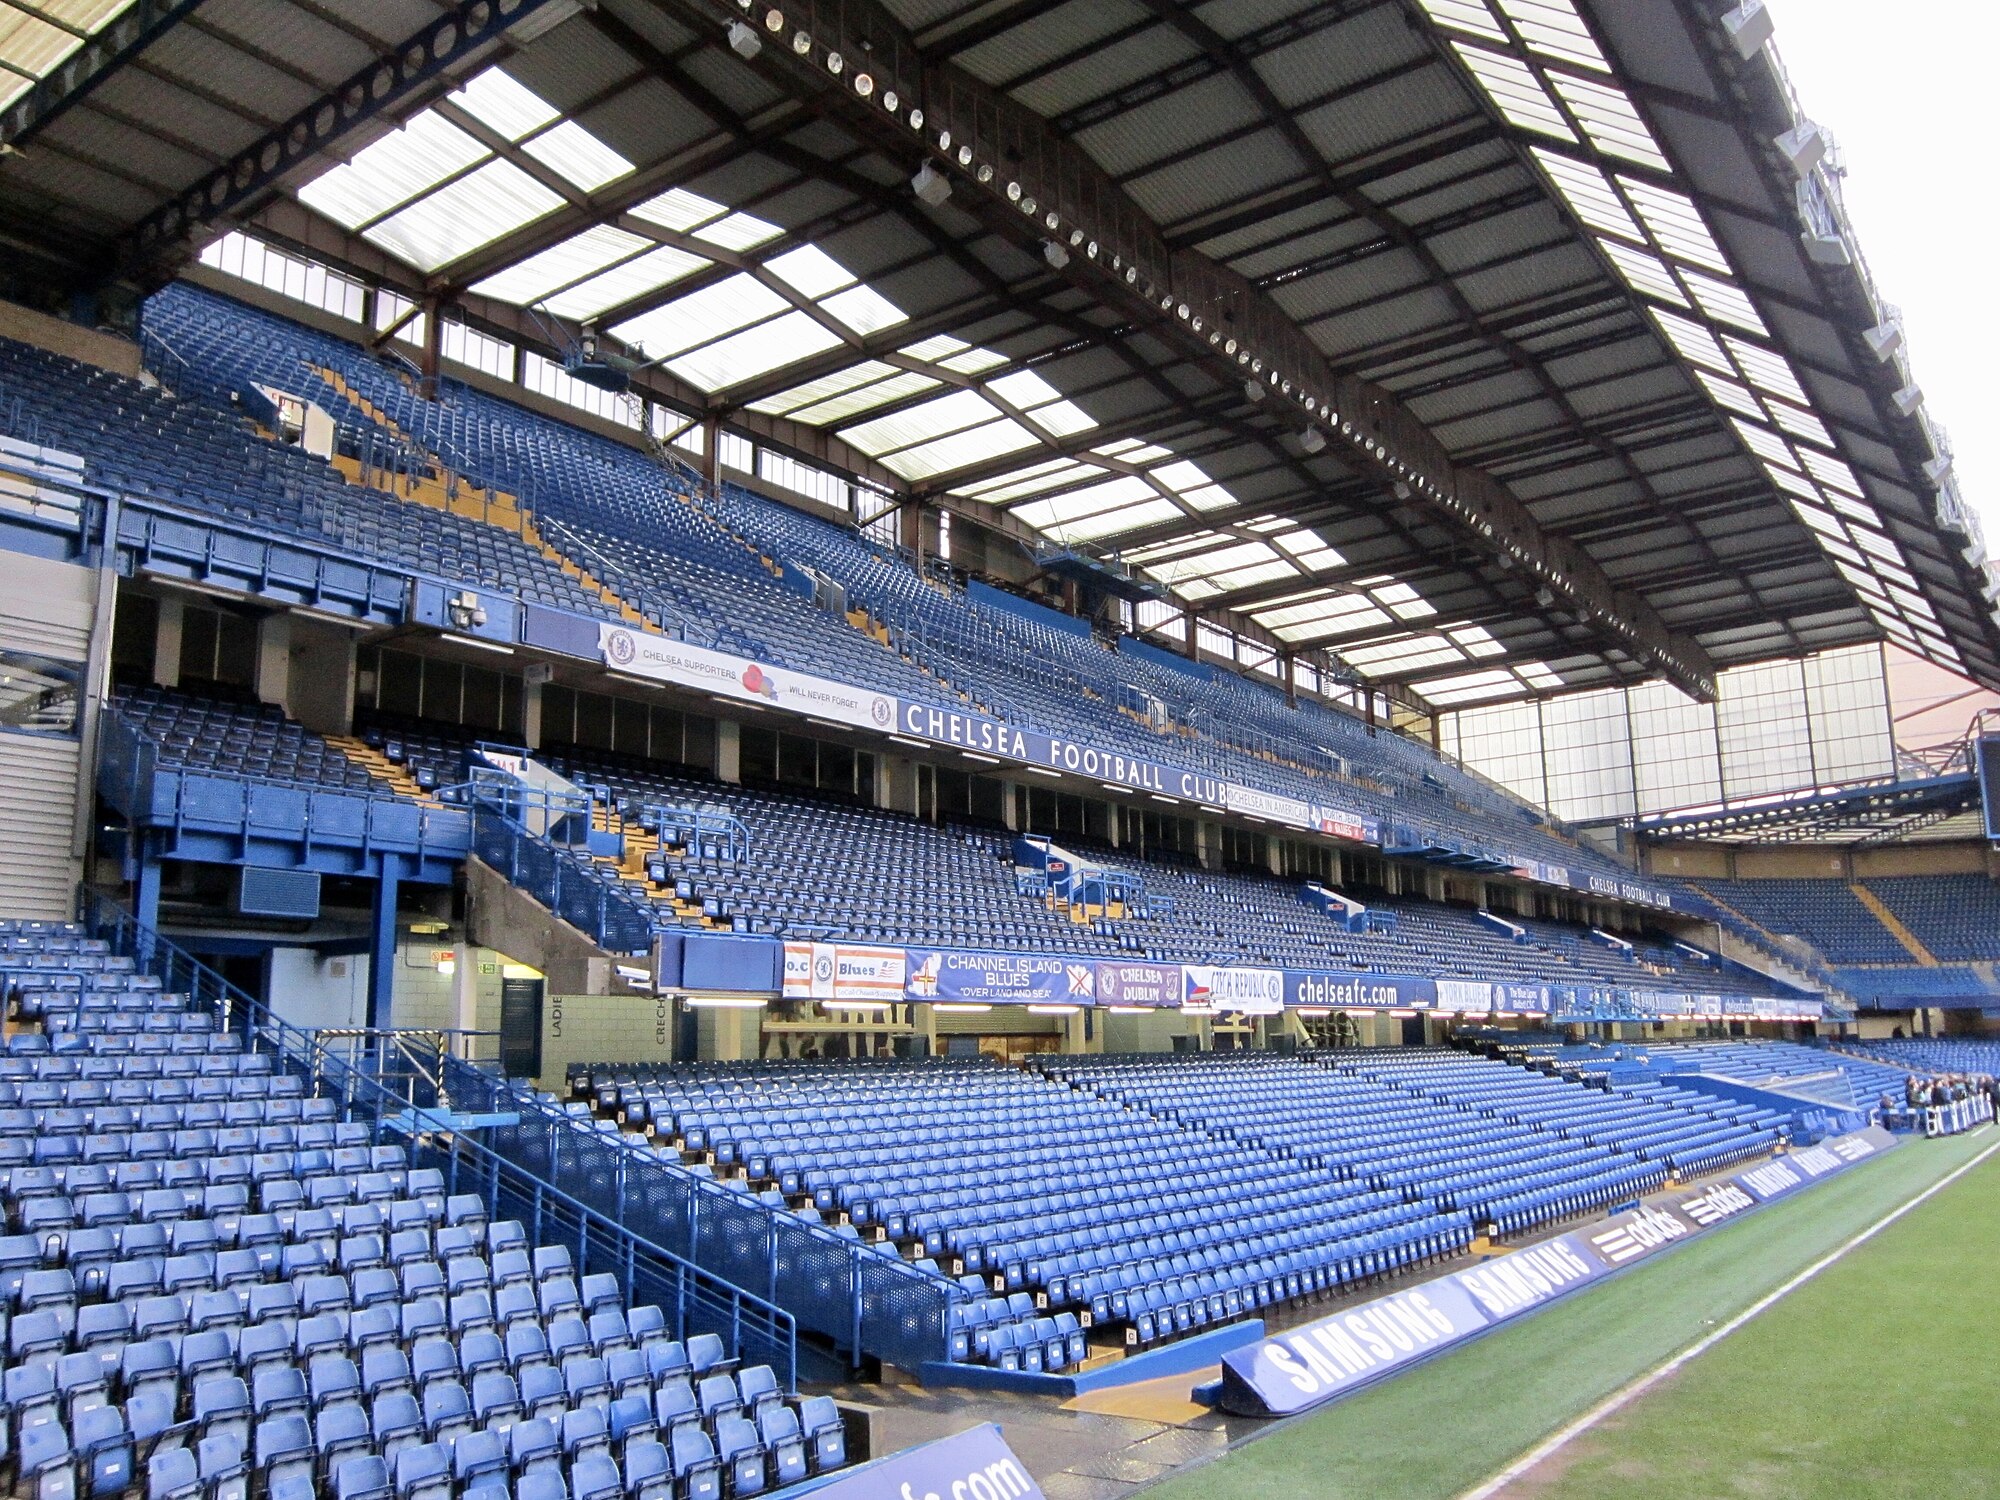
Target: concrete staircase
pixel 1925 959
pixel 383 769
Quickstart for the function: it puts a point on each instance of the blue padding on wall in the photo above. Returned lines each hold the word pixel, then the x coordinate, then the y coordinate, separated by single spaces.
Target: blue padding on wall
pixel 559 630
pixel 724 961
pixel 1055 619
pixel 671 945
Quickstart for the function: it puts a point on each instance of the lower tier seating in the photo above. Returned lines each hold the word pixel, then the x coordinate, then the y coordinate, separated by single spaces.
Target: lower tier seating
pixel 214 1284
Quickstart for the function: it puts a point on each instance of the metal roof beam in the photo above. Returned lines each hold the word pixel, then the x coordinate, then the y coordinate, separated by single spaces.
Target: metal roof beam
pixel 73 79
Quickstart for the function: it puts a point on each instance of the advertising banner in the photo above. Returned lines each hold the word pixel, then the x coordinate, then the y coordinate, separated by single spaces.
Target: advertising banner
pixel 1325 1360
pixel 1000 978
pixel 1342 824
pixel 976 1464
pixel 1155 985
pixel 1359 991
pixel 867 973
pixel 1252 992
pixel 1269 805
pixel 662 659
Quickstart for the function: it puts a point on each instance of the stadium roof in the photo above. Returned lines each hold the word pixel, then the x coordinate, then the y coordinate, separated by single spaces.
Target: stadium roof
pixel 1496 346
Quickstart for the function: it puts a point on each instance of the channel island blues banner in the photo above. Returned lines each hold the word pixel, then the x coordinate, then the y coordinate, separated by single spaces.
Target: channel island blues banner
pixel 1001 978
pixel 662 659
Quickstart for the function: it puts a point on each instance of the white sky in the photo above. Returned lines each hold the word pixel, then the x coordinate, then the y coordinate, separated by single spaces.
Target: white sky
pixel 1908 92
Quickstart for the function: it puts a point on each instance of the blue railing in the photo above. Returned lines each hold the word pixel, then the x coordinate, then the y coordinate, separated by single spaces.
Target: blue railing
pixel 132 778
pixel 696 1300
pixel 600 907
pixel 866 1301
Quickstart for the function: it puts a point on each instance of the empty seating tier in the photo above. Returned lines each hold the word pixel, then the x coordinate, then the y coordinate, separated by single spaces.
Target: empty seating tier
pixel 216 1285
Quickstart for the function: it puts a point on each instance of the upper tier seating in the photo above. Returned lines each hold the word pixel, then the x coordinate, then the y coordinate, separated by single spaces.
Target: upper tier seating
pixel 699 564
pixel 1823 912
pixel 209 461
pixel 216 733
pixel 215 1286
pixel 1956 917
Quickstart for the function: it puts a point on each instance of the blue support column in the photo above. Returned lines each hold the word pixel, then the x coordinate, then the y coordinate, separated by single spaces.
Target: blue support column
pixel 146 903
pixel 382 949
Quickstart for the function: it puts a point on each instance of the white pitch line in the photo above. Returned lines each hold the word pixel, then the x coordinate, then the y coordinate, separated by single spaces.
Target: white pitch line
pixel 1619 1399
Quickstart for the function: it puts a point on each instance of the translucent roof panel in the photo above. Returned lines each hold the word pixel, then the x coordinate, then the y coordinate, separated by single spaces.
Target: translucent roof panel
pixel 1515 91
pixel 431 192
pixel 466 213
pixel 35 39
pixel 752 351
pixel 575 259
pixel 702 316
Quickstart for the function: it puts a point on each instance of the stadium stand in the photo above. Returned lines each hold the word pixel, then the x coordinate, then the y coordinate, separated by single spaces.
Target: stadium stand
pixel 217 1280
pixel 710 577
pixel 1293 1176
pixel 1979 1056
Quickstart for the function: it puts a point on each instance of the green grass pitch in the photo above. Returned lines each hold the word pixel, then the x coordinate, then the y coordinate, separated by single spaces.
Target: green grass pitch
pixel 1875 1379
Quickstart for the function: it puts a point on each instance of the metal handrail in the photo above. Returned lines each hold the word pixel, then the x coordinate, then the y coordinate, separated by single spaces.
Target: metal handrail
pixel 549 1212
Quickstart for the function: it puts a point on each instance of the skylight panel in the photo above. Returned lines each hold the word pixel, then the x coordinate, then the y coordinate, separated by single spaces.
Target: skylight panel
pixel 1589 194
pixel 1831 472
pixel 1800 423
pixel 32 45
pixel 1818 519
pixel 702 315
pixel 1031 480
pixel 1024 390
pixel 528 281
pixel 810 270
pixel 678 209
pixel 1115 493
pixel 1310 550
pixel 1693 343
pixel 843 407
pixel 943 414
pixel 1876 545
pixel 1515 92
pixel 754 350
pixel 1728 394
pixel 1117 522
pixel 1796 484
pixel 1411 654
pixel 973 361
pixel 1538 674
pixel 1475 641
pixel 1404 601
pixel 1676 224
pixel 1181 474
pixel 1643 272
pixel 1062 418
pixel 657 268
pixel 935 348
pixel 577 156
pixel 865 310
pixel 1466 15
pixel 461 216
pixel 1839 547
pixel 1237 555
pixel 1608 118
pixel 838 383
pixel 1472 687
pixel 1767 371
pixel 1267 524
pixel 503 105
pixel 1553 28
pixel 738 232
pixel 1339 613
pixel 1724 302
pixel 399 166
pixel 1854 509
pixel 1764 443
pixel 973 445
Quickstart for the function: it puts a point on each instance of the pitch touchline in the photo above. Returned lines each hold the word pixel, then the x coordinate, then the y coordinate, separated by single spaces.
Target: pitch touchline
pixel 1556 1441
